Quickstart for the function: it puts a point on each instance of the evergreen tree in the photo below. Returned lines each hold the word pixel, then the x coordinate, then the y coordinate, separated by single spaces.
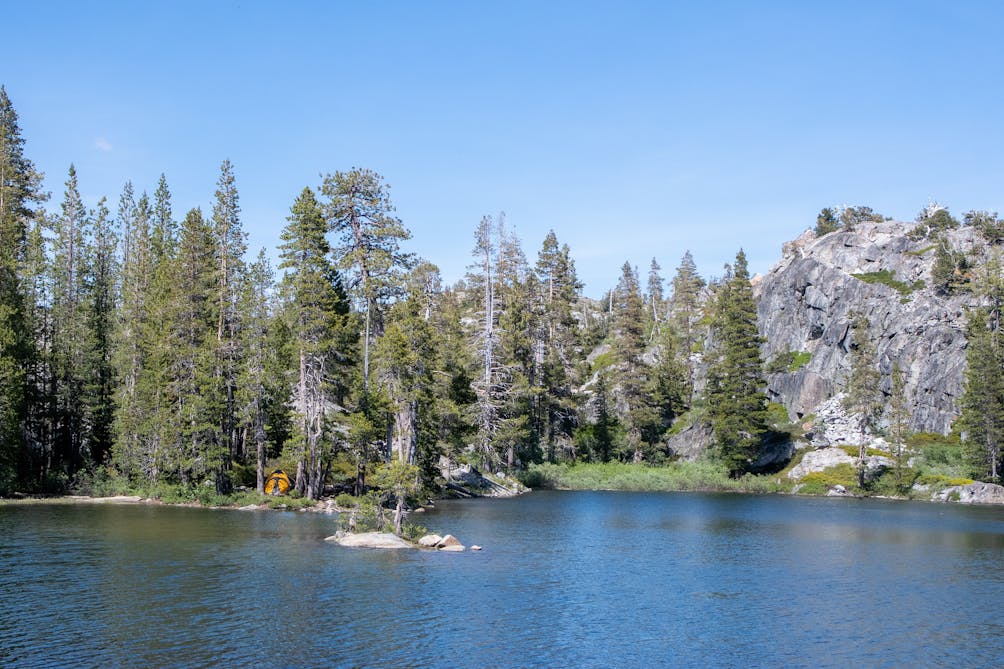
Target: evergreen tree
pixel 360 213
pixel 664 392
pixel 404 357
pixel 487 387
pixel 255 393
pixel 317 313
pixel 129 358
pixel 983 399
pixel 558 338
pixel 99 386
pixel 20 191
pixel 69 327
pixel 988 224
pixel 162 305
pixel 899 422
pixel 826 222
pixel 656 296
pixel 735 392
pixel 517 434
pixel 192 384
pixel 863 393
pixel 629 346
pixel 685 315
pixel 231 247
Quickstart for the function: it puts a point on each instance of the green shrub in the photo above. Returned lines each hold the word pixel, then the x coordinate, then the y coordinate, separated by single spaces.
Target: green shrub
pixel 788 361
pixel 604 360
pixel 346 501
pixel 818 483
pixel 942 481
pixel 887 278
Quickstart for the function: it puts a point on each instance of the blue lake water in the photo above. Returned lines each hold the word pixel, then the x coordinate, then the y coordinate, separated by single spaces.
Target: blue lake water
pixel 567 579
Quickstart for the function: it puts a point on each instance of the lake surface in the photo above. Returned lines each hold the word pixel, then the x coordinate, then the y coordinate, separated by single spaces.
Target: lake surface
pixel 567 579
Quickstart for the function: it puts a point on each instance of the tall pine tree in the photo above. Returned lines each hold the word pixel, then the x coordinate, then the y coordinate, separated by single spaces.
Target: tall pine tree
pixel 317 312
pixel 735 392
pixel 20 192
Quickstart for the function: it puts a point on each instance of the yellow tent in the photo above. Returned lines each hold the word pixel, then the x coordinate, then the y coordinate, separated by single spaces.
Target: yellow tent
pixel 277 483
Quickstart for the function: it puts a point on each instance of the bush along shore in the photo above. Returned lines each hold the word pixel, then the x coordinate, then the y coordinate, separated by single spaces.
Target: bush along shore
pixel 929 468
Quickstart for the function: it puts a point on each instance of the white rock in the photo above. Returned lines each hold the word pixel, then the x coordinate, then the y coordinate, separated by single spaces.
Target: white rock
pixel 449 540
pixel 430 540
pixel 818 460
pixel 370 540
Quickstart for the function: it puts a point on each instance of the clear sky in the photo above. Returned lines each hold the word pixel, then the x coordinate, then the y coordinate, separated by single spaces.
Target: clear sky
pixel 632 129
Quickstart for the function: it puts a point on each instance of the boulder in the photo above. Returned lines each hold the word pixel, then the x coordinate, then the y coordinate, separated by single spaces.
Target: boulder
pixel 981 493
pixel 466 481
pixel 818 460
pixel 453 549
pixel 430 540
pixel 691 442
pixel 449 540
pixel 370 540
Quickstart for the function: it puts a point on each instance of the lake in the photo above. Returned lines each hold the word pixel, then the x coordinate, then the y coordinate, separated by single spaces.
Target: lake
pixel 566 579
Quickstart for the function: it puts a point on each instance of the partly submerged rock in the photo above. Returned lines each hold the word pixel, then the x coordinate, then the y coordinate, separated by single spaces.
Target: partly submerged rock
pixel 370 540
pixel 430 540
pixel 449 541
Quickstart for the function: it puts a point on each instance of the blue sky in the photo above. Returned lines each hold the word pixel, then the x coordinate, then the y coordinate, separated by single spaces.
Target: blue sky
pixel 632 129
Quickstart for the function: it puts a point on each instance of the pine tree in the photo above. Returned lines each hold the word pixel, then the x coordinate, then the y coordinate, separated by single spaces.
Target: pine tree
pixel 255 393
pixel 629 346
pixel 656 297
pixel 160 311
pixel 664 391
pixel 404 356
pixel 899 421
pixel 317 313
pixel 99 387
pixel 20 191
pixel 69 327
pixel 736 398
pixel 863 393
pixel 558 337
pixel 487 386
pixel 192 383
pixel 129 358
pixel 231 247
pixel 983 399
pixel 685 307
pixel 826 222
pixel 517 436
pixel 360 213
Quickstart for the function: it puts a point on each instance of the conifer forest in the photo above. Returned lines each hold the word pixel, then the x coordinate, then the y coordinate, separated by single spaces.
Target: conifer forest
pixel 150 345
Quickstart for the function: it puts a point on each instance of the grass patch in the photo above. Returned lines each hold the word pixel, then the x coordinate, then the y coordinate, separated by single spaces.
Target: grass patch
pixel 942 481
pixel 920 252
pixel 819 483
pixel 788 361
pixel 677 476
pixel 888 278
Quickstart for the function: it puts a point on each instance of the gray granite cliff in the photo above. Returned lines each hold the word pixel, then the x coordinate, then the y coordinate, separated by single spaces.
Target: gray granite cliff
pixel 807 301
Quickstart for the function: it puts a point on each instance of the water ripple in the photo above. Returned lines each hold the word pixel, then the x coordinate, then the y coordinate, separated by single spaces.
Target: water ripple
pixel 566 580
